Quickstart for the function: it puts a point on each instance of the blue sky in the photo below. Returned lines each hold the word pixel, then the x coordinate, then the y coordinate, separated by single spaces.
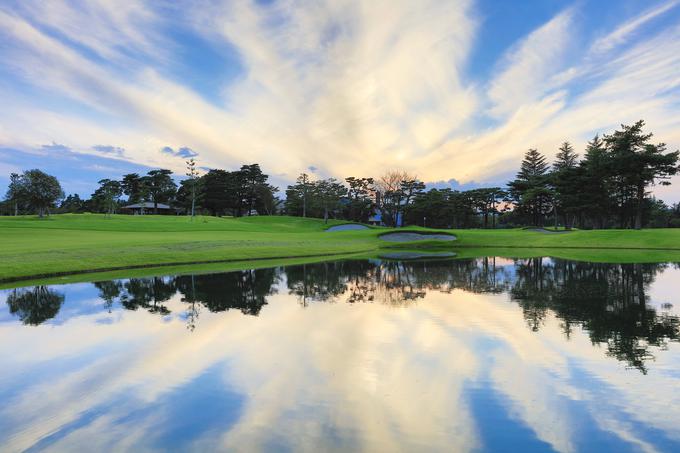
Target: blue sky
pixel 451 90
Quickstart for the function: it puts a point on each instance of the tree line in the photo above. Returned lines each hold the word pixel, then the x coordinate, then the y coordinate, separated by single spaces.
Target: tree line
pixel 608 187
pixel 218 192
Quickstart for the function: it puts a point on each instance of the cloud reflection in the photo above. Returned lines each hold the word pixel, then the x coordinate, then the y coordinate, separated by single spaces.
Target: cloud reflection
pixel 298 372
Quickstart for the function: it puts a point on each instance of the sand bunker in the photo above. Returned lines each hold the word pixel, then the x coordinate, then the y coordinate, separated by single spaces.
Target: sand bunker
pixel 347 227
pixel 416 255
pixel 410 236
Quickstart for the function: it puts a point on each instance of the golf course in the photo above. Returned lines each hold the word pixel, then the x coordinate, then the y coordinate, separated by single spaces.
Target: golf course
pixel 85 243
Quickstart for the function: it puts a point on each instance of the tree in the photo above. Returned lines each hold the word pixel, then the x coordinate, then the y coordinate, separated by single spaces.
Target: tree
pixel 593 181
pixel 329 193
pixel 15 192
pixel 394 190
pixel 108 194
pixel 530 190
pixel 267 200
pixel 133 186
pixel 192 173
pixel 161 187
pixel 360 199
pixel 253 185
pixel 217 191
pixel 565 158
pixel 298 196
pixel 639 163
pixel 566 183
pixel 39 190
pixel 409 188
pixel 72 203
pixel 431 208
pixel 485 200
pixel 304 185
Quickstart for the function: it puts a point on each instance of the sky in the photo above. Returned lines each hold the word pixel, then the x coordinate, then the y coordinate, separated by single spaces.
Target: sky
pixel 453 91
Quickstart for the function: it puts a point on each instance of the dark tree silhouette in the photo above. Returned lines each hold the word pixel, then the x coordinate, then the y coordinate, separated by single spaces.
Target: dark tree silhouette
pixel 35 305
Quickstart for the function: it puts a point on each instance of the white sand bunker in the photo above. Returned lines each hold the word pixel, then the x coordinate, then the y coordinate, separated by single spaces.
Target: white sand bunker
pixel 416 255
pixel 409 237
pixel 347 227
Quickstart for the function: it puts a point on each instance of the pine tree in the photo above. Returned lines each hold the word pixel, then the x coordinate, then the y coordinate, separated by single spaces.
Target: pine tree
pixel 533 166
pixel 595 198
pixel 566 157
pixel 564 179
pixel 639 164
pixel 530 190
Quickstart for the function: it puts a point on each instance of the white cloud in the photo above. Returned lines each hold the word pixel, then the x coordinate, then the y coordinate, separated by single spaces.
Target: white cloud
pixel 622 33
pixel 349 87
pixel 527 69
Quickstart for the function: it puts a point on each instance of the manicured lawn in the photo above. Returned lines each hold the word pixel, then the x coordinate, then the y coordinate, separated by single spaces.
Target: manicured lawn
pixel 89 242
pixel 76 243
pixel 666 239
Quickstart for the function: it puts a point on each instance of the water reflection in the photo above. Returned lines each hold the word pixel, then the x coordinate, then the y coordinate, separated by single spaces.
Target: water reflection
pixel 35 305
pixel 610 301
pixel 360 355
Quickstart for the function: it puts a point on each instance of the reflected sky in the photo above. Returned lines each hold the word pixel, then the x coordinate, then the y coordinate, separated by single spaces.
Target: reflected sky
pixel 539 354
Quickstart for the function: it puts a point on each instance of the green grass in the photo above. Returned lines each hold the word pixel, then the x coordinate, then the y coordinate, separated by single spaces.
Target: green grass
pixel 65 244
pixel 660 239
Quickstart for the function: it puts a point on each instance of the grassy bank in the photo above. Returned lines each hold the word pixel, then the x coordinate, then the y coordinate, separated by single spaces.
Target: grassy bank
pixel 81 243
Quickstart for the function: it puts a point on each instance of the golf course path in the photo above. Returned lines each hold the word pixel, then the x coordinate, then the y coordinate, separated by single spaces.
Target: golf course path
pixel 410 236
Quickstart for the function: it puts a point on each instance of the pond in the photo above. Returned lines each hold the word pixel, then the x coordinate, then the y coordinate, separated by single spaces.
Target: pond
pixel 480 354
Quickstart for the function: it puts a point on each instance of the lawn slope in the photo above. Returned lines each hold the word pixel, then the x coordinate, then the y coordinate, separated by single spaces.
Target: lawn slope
pixel 78 243
pixel 90 242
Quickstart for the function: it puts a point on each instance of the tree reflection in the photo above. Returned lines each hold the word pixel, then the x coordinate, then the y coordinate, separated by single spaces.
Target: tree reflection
pixel 109 292
pixel 35 305
pixel 148 293
pixel 392 282
pixel 609 301
pixel 246 291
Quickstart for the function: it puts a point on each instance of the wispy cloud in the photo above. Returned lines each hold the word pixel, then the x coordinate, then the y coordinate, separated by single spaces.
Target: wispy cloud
pixel 110 150
pixel 56 147
pixel 525 72
pixel 625 30
pixel 348 87
pixel 183 152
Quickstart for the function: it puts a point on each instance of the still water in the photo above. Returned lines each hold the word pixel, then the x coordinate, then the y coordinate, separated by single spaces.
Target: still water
pixel 451 355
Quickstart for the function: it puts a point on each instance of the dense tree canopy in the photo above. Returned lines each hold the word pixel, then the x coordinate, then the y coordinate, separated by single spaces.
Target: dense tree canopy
pixel 35 191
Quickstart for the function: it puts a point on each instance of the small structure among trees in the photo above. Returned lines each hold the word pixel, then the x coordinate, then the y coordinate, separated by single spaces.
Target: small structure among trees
pixel 148 207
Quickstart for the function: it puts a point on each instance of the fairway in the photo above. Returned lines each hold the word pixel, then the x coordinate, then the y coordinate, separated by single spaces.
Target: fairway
pixel 73 243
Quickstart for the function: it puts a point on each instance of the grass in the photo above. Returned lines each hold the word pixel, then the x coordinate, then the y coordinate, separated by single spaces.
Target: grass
pixel 63 244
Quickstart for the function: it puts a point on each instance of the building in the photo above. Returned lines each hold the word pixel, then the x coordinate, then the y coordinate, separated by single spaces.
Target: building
pixel 377 219
pixel 147 207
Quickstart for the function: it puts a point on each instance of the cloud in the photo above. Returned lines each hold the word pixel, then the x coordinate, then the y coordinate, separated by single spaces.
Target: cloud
pixel 625 30
pixel 543 381
pixel 352 88
pixel 526 70
pixel 110 150
pixel 55 147
pixel 452 184
pixel 183 152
